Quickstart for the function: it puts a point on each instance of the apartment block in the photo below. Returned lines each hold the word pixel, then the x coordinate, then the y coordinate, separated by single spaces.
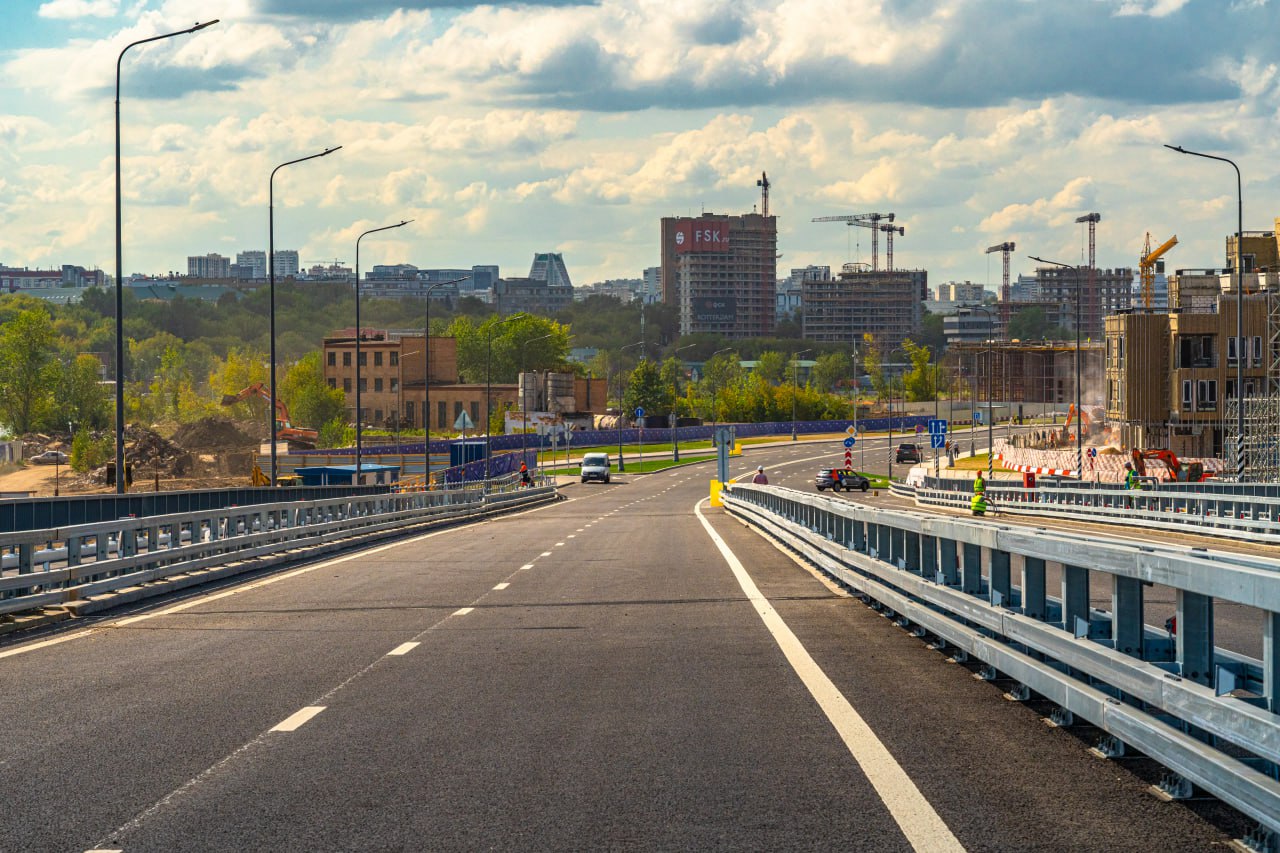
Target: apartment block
pixel 721 272
pixel 885 304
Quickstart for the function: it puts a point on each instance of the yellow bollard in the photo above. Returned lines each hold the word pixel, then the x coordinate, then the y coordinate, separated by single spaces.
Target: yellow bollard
pixel 716 486
pixel 737 449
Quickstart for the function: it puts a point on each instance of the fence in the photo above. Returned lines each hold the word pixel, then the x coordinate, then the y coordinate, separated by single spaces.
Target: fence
pixel 69 567
pixel 1208 715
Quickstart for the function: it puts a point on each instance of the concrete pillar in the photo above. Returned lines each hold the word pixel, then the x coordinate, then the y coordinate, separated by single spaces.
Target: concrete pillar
pixel 1126 615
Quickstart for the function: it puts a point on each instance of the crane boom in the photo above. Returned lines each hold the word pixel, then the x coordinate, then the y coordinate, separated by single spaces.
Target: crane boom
pixel 864 220
pixel 1147 266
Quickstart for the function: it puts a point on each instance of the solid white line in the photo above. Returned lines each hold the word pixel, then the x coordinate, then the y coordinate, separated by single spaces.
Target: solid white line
pixel 403 649
pixel 296 721
pixel 463 611
pixel 923 827
pixel 502 586
pixel 46 643
pixel 526 567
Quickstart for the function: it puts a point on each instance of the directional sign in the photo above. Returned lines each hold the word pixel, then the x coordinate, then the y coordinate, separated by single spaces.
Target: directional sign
pixel 937 426
pixel 639 412
pixel 848 442
pixel 937 441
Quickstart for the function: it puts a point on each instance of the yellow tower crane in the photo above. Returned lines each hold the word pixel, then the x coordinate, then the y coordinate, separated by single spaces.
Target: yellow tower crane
pixel 1147 266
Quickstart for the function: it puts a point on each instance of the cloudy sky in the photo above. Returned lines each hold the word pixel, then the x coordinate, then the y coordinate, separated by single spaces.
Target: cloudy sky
pixel 507 129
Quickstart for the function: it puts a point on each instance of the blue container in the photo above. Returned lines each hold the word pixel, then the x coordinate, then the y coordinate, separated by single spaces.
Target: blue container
pixel 462 452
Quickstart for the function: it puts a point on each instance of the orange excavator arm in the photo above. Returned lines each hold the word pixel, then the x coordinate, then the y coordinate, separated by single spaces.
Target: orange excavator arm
pixel 257 389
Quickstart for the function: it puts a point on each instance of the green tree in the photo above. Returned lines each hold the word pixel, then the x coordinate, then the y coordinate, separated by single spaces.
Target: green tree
pixel 310 400
pixel 1028 324
pixel 917 382
pixel 873 362
pixel 773 367
pixel 28 371
pixel 830 369
pixel 86 453
pixel 240 369
pixel 672 377
pixel 646 390
pixel 79 397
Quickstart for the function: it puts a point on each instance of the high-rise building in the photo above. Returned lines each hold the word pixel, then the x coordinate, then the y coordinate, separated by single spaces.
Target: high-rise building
pixel 1111 293
pixel 721 272
pixel 549 267
pixel 482 277
pixel 652 291
pixel 211 265
pixel 253 260
pixel 286 263
pixel 885 304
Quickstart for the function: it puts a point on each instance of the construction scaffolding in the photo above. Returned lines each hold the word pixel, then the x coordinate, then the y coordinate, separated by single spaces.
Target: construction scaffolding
pixel 1261 410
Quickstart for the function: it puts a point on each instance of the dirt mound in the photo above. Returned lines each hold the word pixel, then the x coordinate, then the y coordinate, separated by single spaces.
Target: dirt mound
pixel 149 451
pixel 212 434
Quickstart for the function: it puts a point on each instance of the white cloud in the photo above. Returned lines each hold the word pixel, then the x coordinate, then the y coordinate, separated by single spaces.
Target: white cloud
pixel 69 9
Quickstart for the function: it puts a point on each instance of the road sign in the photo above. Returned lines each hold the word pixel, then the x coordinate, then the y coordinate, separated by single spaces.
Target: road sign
pixel 977 416
pixel 919 428
pixel 937 426
pixel 639 412
pixel 848 459
pixel 851 430
pixel 848 442
pixel 938 440
pixel 463 421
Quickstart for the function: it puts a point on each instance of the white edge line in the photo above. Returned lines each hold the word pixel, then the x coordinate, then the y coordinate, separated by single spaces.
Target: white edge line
pixel 296 720
pixel 922 826
pixel 403 649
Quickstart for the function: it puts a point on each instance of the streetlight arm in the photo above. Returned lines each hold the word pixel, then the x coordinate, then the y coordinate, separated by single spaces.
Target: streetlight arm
pixel 126 48
pixel 323 153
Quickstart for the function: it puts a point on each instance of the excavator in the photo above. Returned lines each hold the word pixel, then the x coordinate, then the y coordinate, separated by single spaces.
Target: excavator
pixel 285 431
pixel 1192 472
pixel 1086 422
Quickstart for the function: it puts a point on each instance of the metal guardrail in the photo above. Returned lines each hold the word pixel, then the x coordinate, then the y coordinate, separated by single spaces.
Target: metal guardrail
pixel 1238 515
pixel 67 566
pixel 1212 717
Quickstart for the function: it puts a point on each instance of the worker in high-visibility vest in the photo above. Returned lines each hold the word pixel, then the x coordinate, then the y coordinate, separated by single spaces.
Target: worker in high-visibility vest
pixel 1130 477
pixel 979 502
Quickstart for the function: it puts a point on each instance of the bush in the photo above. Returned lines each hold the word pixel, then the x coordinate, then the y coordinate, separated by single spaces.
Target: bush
pixel 88 453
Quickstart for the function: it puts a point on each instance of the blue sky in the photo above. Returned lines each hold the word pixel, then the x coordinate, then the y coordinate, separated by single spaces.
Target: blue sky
pixel 508 129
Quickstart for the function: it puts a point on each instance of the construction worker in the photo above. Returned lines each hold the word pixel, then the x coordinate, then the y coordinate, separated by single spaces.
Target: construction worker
pixel 760 479
pixel 1130 477
pixel 524 475
pixel 979 502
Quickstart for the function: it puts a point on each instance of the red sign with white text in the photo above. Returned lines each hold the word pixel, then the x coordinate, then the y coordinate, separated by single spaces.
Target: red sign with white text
pixel 702 235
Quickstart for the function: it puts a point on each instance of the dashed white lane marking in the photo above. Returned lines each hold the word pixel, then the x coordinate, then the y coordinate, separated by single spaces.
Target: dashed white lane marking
pixel 104 850
pixel 923 827
pixel 295 721
pixel 545 554
pixel 526 567
pixel 571 536
pixel 502 586
pixel 403 649
pixel 559 544
pixel 463 611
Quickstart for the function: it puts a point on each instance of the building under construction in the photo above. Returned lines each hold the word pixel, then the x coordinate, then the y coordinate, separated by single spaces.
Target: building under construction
pixel 885 304
pixel 1027 371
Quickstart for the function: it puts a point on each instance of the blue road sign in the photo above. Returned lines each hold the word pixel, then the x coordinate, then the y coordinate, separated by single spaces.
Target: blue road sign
pixel 937 426
pixel 937 440
pixel 639 412
pixel 848 442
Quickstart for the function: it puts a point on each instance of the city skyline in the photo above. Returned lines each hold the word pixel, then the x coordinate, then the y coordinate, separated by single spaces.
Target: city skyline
pixel 554 126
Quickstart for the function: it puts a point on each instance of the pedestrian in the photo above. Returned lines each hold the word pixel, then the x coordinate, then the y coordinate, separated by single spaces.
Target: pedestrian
pixel 760 479
pixel 524 475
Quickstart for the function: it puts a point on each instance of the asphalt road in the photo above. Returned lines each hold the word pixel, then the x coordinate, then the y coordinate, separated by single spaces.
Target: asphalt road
pixel 596 674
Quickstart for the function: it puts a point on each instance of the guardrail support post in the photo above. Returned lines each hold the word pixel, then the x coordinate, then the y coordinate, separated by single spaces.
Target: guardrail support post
pixel 897 546
pixel 1034 602
pixel 1195 636
pixel 1075 596
pixel 950 574
pixel 1271 660
pixel 1000 577
pixel 928 556
pixel 912 555
pixel 971 570
pixel 1126 615
pixel 859 536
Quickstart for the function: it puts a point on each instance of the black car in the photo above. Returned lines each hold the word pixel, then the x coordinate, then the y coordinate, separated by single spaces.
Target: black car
pixel 841 478
pixel 907 453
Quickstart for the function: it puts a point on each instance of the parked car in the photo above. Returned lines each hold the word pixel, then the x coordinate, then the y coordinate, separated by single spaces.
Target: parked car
pixel 907 453
pixel 49 457
pixel 841 478
pixel 595 466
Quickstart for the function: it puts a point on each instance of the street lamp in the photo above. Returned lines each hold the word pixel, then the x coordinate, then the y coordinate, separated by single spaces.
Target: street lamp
pixel 795 384
pixel 991 450
pixel 893 451
pixel 359 411
pixel 1079 411
pixel 1239 271
pixel 120 365
pixel 675 419
pixel 715 392
pixel 271 278
pixel 488 391
pixel 426 383
pixel 524 403
pixel 622 465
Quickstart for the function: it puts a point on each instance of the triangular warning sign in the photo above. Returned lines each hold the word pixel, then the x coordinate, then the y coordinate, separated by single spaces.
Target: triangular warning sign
pixel 464 421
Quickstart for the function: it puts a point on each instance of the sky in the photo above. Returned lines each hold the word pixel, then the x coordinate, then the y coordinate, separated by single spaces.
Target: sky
pixel 507 129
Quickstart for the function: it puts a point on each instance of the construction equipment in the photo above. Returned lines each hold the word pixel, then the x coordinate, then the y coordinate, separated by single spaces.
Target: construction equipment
pixel 863 220
pixel 1006 249
pixel 1147 266
pixel 764 185
pixel 285 430
pixel 889 231
pixel 1191 472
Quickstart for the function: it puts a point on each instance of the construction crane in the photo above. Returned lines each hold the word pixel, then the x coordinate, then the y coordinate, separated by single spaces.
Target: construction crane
pixel 1006 248
pixel 889 231
pixel 1147 267
pixel 863 220
pixel 1095 298
pixel 763 184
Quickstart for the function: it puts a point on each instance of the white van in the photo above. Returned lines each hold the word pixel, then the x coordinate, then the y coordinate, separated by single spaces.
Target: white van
pixel 595 466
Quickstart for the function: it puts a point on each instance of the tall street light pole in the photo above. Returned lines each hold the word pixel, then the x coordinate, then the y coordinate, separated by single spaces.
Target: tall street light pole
pixel 991 450
pixel 675 419
pixel 795 385
pixel 1079 411
pixel 120 364
pixel 622 465
pixel 524 403
pixel 892 450
pixel 715 395
pixel 271 278
pixel 1239 271
pixel 426 383
pixel 488 392
pixel 359 335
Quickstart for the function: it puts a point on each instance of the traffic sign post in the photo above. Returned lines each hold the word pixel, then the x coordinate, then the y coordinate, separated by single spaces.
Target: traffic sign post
pixel 640 424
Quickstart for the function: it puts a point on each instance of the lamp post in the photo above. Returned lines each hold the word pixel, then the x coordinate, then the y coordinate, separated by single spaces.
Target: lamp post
pixel 271 278
pixel 488 391
pixel 1079 412
pixel 524 403
pixel 675 419
pixel 795 384
pixel 359 335
pixel 1239 271
pixel 426 383
pixel 120 365
pixel 892 451
pixel 715 394
pixel 622 465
